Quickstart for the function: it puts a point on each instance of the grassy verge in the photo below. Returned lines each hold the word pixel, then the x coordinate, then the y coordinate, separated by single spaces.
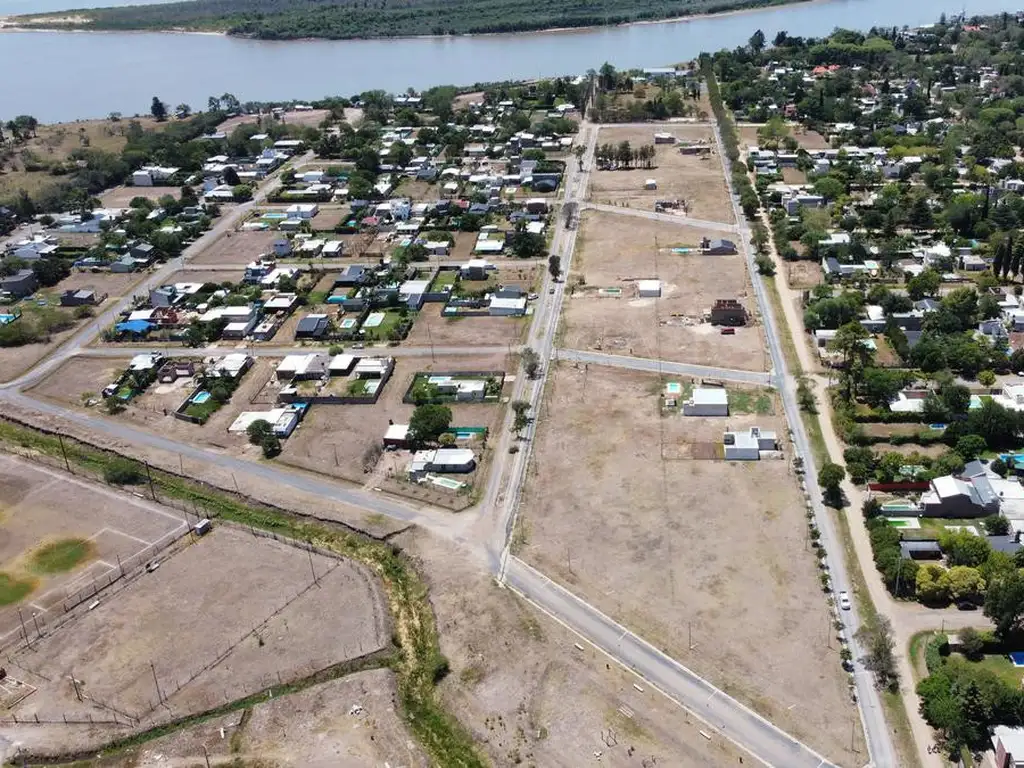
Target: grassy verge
pixel 419 664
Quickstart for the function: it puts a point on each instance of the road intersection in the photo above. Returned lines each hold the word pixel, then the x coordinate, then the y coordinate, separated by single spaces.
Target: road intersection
pixel 485 531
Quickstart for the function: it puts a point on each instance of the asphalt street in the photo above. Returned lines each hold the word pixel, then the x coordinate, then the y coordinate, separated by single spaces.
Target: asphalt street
pixel 876 730
pixel 664 366
pixel 723 714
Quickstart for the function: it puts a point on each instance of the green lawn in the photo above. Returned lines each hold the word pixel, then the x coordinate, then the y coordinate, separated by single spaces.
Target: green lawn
pixel 444 277
pixel 750 402
pixel 998 664
pixel 202 411
pixel 391 320
pixel 63 555
pixel 933 527
pixel 14 590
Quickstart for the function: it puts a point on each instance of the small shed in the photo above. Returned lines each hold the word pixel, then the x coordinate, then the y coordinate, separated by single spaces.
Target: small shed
pixel 651 184
pixel 649 289
pixel 397 436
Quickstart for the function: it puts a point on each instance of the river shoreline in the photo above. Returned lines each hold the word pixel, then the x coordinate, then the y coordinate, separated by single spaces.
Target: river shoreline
pixel 5 26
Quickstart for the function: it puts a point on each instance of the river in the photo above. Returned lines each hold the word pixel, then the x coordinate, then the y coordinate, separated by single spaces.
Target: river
pixel 61 76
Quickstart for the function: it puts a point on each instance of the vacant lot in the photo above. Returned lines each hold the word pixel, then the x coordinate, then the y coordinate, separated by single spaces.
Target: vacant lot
pixel 431 328
pixel 528 697
pixel 120 197
pixel 14 361
pixel 705 559
pixel 805 138
pixel 58 535
pixel 697 180
pixel 238 248
pixel 112 284
pixel 339 439
pixel 615 252
pixel 218 620
pixel 803 274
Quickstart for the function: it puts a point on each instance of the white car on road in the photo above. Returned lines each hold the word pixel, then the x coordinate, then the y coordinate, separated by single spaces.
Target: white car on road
pixel 844 601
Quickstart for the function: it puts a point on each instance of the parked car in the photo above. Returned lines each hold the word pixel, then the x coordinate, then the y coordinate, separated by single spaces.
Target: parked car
pixel 844 601
pixel 728 331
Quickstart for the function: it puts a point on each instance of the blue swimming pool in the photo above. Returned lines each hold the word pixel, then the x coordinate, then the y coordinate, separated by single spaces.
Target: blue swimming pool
pixel 200 397
pixel 7 318
pixel 1017 657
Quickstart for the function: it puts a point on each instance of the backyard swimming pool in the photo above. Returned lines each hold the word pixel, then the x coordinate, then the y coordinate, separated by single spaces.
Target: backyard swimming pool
pixel 200 397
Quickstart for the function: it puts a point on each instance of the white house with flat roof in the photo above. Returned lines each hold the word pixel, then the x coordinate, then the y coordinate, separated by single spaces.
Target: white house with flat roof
pixel 230 366
pixel 444 460
pixel 748 446
pixel 707 401
pixel 1012 396
pixel 282 420
pixel 648 289
pixel 507 307
pixel 297 367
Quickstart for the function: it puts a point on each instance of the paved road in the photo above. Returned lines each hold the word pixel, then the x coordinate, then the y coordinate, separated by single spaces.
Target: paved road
pixel 664 366
pixel 253 351
pixel 876 729
pixel 725 715
pixel 669 218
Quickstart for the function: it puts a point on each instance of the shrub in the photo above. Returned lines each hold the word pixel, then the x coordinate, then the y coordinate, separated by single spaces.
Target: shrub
pixel 122 472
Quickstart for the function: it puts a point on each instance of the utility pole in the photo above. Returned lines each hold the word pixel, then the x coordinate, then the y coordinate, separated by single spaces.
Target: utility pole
pixel 311 568
pixel 156 682
pixel 63 451
pixel 150 476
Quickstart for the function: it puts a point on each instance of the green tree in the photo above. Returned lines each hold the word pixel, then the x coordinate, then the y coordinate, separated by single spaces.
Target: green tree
pixel 428 422
pixel 996 525
pixel 123 472
pixel 925 284
pixel 965 583
pixel 158 109
pixel 987 378
pixel 270 445
pixel 554 266
pixel 757 41
pixel 520 408
pixel 830 478
pixel 932 587
pixel 531 362
pixel 231 177
pixel 1004 602
pixel 876 638
pixel 850 342
pixel 972 644
pixel 258 430
pixel 970 447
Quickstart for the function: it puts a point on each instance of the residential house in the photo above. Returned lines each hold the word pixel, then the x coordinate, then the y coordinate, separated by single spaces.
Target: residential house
pixel 146 361
pixel 794 203
pixel 82 297
pixel 506 307
pixel 283 421
pixel 172 370
pixel 442 460
pixel 728 312
pixel 397 436
pixel 475 269
pixel 908 401
pixel 373 367
pixel 239 320
pixel 301 367
pixel 954 497
pixel 342 365
pixel 462 389
pixel 312 327
pixel 993 330
pixel 717 246
pixel 22 283
pixel 648 289
pixel 1008 745
pixel 231 366
pixel 747 446
pixel 1012 396
pixel 707 401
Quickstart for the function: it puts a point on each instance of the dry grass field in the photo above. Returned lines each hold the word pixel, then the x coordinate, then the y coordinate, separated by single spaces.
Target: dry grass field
pixel 616 251
pixel 705 559
pixel 120 197
pixel 806 139
pixel 698 181
pixel 238 248
pixel 36 519
pixel 220 619
pixel 529 698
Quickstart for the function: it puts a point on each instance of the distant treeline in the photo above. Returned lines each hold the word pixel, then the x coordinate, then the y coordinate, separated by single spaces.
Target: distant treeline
pixel 341 19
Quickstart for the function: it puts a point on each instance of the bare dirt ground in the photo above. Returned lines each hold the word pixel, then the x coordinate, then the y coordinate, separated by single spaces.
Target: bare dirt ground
pixel 112 284
pixel 315 728
pixel 219 620
pixel 805 138
pixel 711 553
pixel 794 176
pixel 614 252
pixel 804 274
pixel 305 117
pixel 238 248
pixel 334 439
pixel 36 508
pixel 120 197
pixel 14 361
pixel 431 328
pixel 699 182
pixel 329 217
pixel 206 276
pixel 528 697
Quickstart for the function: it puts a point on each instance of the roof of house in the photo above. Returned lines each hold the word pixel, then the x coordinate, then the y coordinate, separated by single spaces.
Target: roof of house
pixel 710 396
pixel 1012 739
pixel 301 363
pixel 397 432
pixel 312 324
pixel 907 547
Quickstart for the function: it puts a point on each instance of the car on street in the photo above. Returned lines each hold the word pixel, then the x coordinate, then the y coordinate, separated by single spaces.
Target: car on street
pixel 844 601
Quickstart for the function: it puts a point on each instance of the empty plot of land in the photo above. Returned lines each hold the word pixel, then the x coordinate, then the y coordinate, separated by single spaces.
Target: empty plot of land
pixel 120 197
pixel 698 180
pixel 206 276
pixel 341 440
pixel 113 284
pixel 807 139
pixel 218 620
pixel 705 559
pixel 433 329
pixel 44 511
pixel 238 248
pixel 615 253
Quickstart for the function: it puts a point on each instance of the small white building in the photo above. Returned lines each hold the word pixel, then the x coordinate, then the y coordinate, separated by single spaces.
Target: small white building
pixel 282 420
pixel 747 446
pixel 651 184
pixel 445 460
pixel 648 289
pixel 342 365
pixel 302 210
pixel 707 401
pixel 507 307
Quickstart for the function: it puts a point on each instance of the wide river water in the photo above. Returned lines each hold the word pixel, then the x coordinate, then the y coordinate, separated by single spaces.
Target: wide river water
pixel 59 76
